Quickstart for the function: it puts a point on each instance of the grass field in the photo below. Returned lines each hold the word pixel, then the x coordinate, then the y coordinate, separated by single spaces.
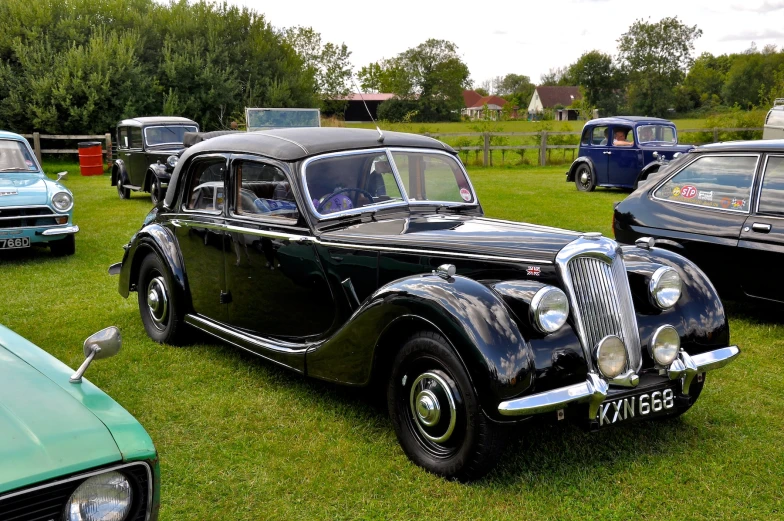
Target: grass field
pixel 240 439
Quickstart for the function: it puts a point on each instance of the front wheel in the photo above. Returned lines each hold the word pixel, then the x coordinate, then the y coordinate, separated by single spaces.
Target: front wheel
pixel 63 247
pixel 435 412
pixel 155 191
pixel 160 308
pixel 584 179
pixel 123 192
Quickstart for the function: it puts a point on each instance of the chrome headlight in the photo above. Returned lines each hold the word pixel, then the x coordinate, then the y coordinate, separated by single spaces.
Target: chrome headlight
pixel 611 356
pixel 664 346
pixel 62 201
pixel 665 287
pixel 549 309
pixel 171 161
pixel 105 497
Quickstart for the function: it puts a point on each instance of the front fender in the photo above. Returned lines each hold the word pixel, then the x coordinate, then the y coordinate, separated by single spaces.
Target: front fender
pixel 576 163
pixel 119 172
pixel 155 170
pixel 474 319
pixel 157 239
pixel 649 169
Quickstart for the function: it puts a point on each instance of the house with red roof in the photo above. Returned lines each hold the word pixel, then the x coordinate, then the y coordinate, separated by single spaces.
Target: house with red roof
pixel 475 105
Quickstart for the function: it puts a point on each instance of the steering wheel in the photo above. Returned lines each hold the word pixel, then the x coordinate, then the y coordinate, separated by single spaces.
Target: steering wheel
pixel 336 192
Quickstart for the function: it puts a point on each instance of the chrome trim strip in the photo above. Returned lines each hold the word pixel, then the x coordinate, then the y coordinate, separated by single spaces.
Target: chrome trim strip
pixel 284 139
pixel 25 207
pixel 11 228
pixel 697 158
pixel 594 391
pixel 88 475
pixel 61 231
pixel 278 346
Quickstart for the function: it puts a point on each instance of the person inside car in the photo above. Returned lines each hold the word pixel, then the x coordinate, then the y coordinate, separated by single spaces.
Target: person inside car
pixel 619 138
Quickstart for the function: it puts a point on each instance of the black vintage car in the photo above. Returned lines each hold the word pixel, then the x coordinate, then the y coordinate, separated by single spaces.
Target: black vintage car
pixel 365 260
pixel 147 150
pixel 722 206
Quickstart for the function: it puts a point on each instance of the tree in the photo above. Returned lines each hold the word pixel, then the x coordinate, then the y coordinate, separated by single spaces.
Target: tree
pixel 482 91
pixel 556 76
pixel 656 57
pixel 601 80
pixel 517 89
pixel 370 77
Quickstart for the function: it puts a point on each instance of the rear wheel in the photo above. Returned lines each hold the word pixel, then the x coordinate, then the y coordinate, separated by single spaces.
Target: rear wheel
pixel 160 308
pixel 435 412
pixel 584 179
pixel 123 192
pixel 155 190
pixel 63 247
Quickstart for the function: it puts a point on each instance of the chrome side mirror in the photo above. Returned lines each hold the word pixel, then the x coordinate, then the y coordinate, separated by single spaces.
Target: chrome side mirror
pixel 61 176
pixel 103 344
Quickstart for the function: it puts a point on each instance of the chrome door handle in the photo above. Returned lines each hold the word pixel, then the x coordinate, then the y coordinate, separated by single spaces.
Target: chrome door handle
pixel 607 153
pixel 760 227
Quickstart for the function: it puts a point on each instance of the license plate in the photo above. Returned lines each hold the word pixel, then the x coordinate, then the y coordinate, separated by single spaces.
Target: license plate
pixel 17 242
pixel 636 407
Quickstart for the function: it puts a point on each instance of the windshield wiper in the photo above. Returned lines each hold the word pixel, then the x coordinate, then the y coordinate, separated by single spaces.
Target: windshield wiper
pixel 14 169
pixel 456 207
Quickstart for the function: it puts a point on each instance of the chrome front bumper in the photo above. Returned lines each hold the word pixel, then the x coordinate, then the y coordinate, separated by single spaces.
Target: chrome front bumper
pixel 595 389
pixel 63 230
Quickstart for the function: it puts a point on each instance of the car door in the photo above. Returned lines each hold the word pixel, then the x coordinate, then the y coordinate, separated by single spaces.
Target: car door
pixel 624 163
pixel 702 208
pixel 137 166
pixel 199 228
pixel 276 283
pixel 599 152
pixel 762 238
pixel 124 145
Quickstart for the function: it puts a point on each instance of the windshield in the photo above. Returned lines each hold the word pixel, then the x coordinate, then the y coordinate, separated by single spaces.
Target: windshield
pixel 15 156
pixel 168 135
pixel 265 119
pixel 346 182
pixel 656 134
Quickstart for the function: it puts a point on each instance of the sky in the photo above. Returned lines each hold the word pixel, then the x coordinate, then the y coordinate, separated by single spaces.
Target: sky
pixel 521 37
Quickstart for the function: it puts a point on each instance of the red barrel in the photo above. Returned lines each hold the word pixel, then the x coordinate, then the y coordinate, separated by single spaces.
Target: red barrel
pixel 91 158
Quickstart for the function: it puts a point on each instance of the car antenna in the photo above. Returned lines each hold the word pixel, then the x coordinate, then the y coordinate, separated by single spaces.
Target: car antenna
pixel 359 91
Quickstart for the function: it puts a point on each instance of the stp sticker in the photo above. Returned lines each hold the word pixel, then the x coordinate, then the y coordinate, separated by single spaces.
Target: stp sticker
pixel 534 271
pixel 465 194
pixel 689 192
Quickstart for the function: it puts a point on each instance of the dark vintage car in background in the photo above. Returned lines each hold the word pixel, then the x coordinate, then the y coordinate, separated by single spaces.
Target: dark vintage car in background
pixel 620 151
pixel 147 149
pixel 722 206
pixel 69 452
pixel 364 259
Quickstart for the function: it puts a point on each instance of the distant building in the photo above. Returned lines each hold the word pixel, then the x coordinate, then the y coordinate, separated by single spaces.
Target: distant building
pixel 475 105
pixel 355 109
pixel 555 99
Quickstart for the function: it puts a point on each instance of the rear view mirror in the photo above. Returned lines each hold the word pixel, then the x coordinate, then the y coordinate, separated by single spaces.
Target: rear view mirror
pixel 61 176
pixel 103 344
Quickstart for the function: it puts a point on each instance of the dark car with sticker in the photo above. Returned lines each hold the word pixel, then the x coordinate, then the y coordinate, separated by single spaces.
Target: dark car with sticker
pixel 722 206
pixel 621 151
pixel 365 259
pixel 147 150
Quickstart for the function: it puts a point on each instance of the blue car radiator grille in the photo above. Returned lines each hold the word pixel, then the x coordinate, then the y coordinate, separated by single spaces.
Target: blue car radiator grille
pixel 27 216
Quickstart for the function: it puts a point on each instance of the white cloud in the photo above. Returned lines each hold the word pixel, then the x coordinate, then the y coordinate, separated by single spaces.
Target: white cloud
pixel 764 7
pixel 751 35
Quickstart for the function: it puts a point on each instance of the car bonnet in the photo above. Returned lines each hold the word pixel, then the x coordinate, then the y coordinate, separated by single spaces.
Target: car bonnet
pixel 23 190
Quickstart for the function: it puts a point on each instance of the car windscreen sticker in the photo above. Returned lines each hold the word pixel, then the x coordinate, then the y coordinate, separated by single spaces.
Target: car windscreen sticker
pixel 689 192
pixel 465 194
pixel 705 196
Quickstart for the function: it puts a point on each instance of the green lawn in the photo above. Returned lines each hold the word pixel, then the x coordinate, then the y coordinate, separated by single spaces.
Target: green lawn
pixel 240 439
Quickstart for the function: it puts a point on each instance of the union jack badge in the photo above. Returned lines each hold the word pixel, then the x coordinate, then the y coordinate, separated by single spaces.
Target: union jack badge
pixel 534 271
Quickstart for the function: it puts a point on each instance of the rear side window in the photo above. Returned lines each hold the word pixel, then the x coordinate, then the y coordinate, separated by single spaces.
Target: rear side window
pixel 600 135
pixel 206 185
pixel 136 137
pixel 262 190
pixel 123 138
pixel 772 194
pixel 722 182
pixel 586 139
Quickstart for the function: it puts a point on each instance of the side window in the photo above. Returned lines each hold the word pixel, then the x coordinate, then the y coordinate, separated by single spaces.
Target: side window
pixel 135 140
pixel 772 195
pixel 263 190
pixel 623 137
pixel 205 185
pixel 586 138
pixel 123 138
pixel 713 181
pixel 600 135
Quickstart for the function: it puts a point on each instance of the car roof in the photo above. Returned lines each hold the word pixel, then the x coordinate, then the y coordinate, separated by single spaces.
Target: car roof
pixel 4 134
pixel 156 120
pixel 292 144
pixel 761 145
pixel 627 120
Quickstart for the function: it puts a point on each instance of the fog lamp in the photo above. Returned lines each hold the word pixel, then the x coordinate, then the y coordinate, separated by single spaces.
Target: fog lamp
pixel 611 356
pixel 664 346
pixel 105 497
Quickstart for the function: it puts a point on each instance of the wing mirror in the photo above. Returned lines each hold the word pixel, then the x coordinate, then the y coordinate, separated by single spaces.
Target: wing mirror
pixel 103 344
pixel 61 176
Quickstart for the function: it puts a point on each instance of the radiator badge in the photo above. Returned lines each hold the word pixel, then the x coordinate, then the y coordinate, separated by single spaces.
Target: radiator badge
pixel 8 191
pixel 534 271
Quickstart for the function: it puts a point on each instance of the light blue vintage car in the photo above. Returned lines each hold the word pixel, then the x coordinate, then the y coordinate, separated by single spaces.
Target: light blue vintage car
pixel 33 208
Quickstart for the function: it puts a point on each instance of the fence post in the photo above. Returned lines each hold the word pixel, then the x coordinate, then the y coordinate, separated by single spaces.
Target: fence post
pixel 487 149
pixel 108 138
pixel 543 149
pixel 37 146
pixel 715 135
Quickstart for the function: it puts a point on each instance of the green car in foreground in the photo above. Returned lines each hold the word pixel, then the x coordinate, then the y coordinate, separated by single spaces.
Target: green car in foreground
pixel 68 451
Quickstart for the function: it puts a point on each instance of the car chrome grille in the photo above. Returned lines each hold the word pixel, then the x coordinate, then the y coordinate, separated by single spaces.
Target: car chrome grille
pixel 26 216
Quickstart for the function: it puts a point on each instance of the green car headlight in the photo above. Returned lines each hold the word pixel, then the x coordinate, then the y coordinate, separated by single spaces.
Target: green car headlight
pixel 105 497
pixel 62 201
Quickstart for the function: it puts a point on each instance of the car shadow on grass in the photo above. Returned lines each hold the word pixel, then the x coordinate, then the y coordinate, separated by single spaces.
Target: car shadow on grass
pixel 755 312
pixel 38 254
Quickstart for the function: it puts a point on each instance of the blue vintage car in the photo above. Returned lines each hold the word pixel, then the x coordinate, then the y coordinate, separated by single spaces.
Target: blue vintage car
pixel 621 151
pixel 33 208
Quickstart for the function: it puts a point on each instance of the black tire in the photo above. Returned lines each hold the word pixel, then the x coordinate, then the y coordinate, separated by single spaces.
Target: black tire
pixel 159 304
pixel 155 191
pixel 584 179
pixel 123 192
pixel 63 247
pixel 426 372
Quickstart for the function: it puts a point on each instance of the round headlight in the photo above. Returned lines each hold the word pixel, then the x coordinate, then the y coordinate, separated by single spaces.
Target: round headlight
pixel 549 309
pixel 665 287
pixel 171 161
pixel 665 344
pixel 611 356
pixel 105 497
pixel 62 201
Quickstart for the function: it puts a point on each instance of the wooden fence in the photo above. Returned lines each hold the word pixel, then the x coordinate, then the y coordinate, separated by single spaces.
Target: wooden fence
pixel 543 147
pixel 35 139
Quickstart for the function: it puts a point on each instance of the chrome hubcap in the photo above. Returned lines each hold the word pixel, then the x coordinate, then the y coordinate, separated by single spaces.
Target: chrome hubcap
pixel 158 302
pixel 584 178
pixel 433 407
